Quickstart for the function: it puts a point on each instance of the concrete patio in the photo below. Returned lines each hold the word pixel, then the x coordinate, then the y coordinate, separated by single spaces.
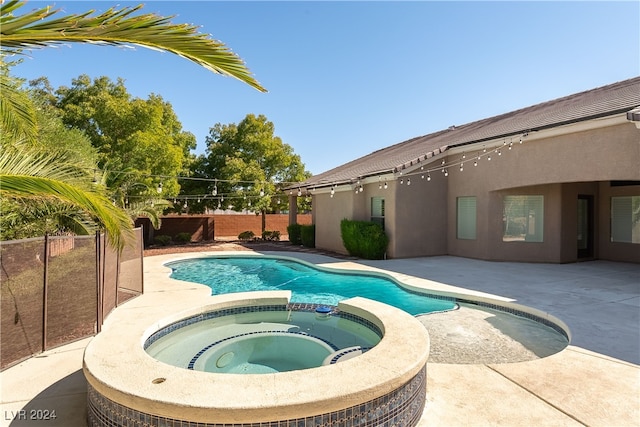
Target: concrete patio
pixel 595 381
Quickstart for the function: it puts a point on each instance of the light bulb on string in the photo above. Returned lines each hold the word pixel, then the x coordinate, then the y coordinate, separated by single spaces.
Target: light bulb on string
pixel 361 189
pixel 385 185
pixel 446 172
pixel 401 181
pixel 299 192
pixel 428 177
pixel 408 181
pixel 261 192
pixel 461 167
pixel 475 162
pixel 159 189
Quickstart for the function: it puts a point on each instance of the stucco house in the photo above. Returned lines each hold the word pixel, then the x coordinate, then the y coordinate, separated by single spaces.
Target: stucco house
pixel 555 182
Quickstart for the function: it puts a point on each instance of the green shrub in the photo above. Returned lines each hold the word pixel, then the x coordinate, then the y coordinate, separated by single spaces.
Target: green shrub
pixel 308 235
pixel 246 235
pixel 271 235
pixel 364 239
pixel 294 234
pixel 183 237
pixel 162 240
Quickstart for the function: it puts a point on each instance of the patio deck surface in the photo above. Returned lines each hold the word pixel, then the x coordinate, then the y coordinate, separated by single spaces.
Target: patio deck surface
pixel 595 381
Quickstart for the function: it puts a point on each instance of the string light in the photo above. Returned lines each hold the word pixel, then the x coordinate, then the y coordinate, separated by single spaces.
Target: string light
pixel 402 175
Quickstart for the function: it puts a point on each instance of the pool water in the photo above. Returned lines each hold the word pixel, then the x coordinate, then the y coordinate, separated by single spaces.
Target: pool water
pixel 306 283
pixel 262 342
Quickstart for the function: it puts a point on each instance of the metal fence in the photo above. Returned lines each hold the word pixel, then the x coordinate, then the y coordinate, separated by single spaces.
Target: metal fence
pixel 59 289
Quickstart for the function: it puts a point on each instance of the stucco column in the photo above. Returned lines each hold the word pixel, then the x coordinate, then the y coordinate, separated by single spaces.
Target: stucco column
pixel 293 209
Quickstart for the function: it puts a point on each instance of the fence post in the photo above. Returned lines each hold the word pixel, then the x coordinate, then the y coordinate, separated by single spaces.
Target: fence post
pixel 98 287
pixel 117 277
pixel 45 282
pixel 141 255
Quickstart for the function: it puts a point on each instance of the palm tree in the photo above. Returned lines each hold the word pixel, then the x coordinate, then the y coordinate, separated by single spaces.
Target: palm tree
pixel 46 177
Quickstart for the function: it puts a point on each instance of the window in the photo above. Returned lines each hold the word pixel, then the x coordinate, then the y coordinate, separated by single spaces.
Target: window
pixel 523 218
pixel 466 218
pixel 625 219
pixel 377 210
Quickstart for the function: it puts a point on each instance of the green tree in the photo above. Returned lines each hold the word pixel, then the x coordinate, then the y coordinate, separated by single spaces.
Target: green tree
pixel 143 137
pixel 249 166
pixel 40 28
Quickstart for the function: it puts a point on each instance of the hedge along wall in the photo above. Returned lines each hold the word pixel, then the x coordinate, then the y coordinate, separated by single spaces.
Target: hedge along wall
pixel 208 227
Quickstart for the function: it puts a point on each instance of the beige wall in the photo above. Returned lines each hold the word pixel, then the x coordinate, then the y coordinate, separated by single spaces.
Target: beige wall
pixel 327 213
pixel 420 218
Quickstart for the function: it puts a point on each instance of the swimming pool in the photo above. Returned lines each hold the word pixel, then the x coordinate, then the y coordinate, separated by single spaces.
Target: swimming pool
pixel 308 284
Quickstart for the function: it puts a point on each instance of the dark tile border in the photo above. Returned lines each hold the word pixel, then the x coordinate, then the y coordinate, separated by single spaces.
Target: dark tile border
pixel 401 407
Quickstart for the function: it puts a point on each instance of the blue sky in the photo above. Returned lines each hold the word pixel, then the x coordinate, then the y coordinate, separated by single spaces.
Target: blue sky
pixel 348 78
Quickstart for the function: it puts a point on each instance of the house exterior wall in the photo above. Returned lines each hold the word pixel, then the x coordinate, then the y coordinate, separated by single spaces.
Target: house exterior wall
pixel 560 164
pixel 420 214
pixel 327 213
pixel 560 168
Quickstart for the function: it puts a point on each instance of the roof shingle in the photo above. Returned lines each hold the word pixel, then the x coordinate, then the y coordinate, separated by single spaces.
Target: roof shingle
pixel 599 102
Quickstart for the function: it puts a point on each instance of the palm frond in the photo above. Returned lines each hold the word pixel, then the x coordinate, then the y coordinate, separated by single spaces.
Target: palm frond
pixel 38 29
pixel 25 175
pixel 152 211
pixel 17 114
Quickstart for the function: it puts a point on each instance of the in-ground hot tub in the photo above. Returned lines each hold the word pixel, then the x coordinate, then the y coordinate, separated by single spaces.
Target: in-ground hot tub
pixel 378 380
pixel 264 339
